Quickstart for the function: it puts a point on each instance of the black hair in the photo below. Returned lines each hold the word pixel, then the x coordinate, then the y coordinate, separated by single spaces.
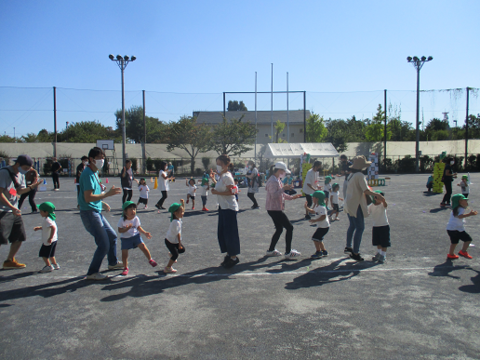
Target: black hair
pixel 224 159
pixel 343 157
pixel 142 179
pixel 336 186
pixel 94 152
pixel 317 163
pixel 162 165
pixel 129 206
pixel 84 158
pixel 128 161
pixel 252 163
pixel 191 179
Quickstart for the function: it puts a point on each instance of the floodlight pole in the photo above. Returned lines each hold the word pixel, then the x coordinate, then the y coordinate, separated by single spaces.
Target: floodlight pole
pixel 418 64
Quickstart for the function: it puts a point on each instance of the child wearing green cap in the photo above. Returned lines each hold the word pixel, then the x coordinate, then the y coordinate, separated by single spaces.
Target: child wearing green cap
pixel 321 219
pixel 130 228
pixel 381 227
pixel 49 237
pixel 173 239
pixel 464 185
pixel 456 227
pixel 334 197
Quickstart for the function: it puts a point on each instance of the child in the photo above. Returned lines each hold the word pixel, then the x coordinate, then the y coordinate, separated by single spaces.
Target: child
pixel 130 228
pixel 456 229
pixel 205 188
pixel 381 228
pixel 334 197
pixel 323 225
pixel 430 183
pixel 327 189
pixel 192 189
pixel 173 240
pixel 464 185
pixel 144 189
pixel 49 237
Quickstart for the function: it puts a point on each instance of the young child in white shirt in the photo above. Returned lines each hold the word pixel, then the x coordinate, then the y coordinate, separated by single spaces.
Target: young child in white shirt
pixel 381 228
pixel 321 219
pixel 173 239
pixel 192 189
pixel 464 185
pixel 204 192
pixel 334 197
pixel 130 228
pixel 49 237
pixel 456 227
pixel 144 189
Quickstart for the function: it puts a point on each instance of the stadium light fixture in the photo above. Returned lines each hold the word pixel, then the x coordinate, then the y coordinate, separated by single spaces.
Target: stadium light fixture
pixel 418 64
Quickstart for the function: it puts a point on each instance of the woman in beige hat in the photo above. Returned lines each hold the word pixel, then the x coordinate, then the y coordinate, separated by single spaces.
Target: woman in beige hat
pixel 356 205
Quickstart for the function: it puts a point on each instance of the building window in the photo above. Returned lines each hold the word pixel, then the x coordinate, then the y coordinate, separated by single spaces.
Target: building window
pixel 293 134
pixel 301 131
pixel 266 135
pixel 283 135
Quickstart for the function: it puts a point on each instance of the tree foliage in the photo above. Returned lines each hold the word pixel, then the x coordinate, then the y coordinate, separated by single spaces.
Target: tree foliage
pixel 375 130
pixel 316 130
pixel 278 129
pixel 236 106
pixel 156 129
pixel 232 137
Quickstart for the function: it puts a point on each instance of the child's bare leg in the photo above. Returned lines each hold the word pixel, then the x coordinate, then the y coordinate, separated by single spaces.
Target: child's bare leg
pixel 47 262
pixel 193 203
pixel 125 258
pixel 321 245
pixel 170 263
pixel 53 260
pixel 144 249
pixel 452 249
pixel 466 244
pixel 317 246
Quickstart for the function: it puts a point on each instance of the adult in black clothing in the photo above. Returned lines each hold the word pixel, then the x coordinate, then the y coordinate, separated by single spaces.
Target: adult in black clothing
pixel 80 168
pixel 448 176
pixel 127 179
pixel 31 177
pixel 56 167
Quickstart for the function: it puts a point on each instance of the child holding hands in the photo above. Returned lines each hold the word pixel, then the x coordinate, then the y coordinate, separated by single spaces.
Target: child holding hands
pixel 49 237
pixel 320 218
pixel 173 239
pixel 192 189
pixel 456 227
pixel 381 228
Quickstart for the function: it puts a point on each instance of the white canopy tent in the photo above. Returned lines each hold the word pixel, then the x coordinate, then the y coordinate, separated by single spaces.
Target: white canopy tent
pixel 289 150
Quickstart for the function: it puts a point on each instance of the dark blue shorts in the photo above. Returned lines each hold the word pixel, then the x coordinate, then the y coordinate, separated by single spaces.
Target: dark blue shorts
pixel 456 236
pixel 319 234
pixel 47 251
pixel 131 242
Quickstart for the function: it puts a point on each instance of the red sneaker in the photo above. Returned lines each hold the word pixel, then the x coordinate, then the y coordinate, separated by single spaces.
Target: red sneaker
pixel 465 254
pixel 125 272
pixel 452 257
pixel 204 209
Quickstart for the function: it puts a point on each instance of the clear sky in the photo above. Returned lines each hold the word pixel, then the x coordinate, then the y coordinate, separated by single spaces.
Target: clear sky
pixel 207 47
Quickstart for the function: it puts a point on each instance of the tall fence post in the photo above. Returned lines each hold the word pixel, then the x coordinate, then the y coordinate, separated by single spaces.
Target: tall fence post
pixel 54 121
pixel 385 131
pixel 466 127
pixel 144 150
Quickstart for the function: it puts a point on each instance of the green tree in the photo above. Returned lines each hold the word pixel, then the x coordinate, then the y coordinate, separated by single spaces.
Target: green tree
pixel 236 106
pixel 187 135
pixel 279 127
pixel 30 138
pixel 6 139
pixel 375 130
pixel 156 129
pixel 337 134
pixel 44 136
pixel 316 130
pixel 232 137
pixel 86 132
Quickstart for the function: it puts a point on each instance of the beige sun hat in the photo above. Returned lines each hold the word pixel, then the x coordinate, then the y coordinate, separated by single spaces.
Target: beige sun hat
pixel 360 163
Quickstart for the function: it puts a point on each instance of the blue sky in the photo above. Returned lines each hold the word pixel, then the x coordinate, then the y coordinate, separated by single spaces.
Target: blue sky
pixel 207 47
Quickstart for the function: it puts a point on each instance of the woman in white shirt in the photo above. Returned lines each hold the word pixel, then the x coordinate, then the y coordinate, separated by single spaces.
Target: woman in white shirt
pixel 163 185
pixel 228 237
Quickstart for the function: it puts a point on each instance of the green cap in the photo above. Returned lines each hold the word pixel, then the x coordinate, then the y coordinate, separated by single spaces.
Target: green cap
pixel 465 177
pixel 456 200
pixel 328 179
pixel 205 181
pixel 49 208
pixel 378 192
pixel 127 204
pixel 334 185
pixel 320 195
pixel 174 207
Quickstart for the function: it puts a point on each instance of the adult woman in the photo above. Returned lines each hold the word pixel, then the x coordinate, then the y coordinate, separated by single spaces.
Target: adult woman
pixel 228 238
pixel 356 205
pixel 252 176
pixel 448 176
pixel 31 177
pixel 127 178
pixel 275 205
pixel 163 186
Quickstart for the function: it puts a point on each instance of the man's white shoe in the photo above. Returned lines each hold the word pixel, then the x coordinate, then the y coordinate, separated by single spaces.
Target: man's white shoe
pixel 97 276
pixel 118 266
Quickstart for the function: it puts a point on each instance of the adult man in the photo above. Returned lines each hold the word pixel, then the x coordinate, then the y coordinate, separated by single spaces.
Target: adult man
pixel 90 200
pixel 56 167
pixel 31 177
pixel 12 182
pixel 310 184
pixel 127 179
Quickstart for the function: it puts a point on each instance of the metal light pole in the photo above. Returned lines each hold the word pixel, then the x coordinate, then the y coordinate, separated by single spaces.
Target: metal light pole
pixel 122 63
pixel 418 64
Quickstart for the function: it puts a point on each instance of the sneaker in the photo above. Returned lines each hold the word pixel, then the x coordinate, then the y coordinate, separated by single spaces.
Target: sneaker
pixel 97 276
pixel 317 255
pixel 307 217
pixel 465 254
pixel 229 263
pixel 188 200
pixel 375 258
pixel 193 207
pixel 442 204
pixel 125 272
pixel 381 259
pixel 158 206
pixel 225 260
pixel 324 252
pixel 292 254
pixel 47 269
pixel 146 207
pixel 452 257
pixel 204 209
pixel 117 266
pixel 273 253
pixel 348 250
pixel 255 207
pixel 152 262
pixel 169 270
pixel 13 264
pixel 56 267
pixel 356 257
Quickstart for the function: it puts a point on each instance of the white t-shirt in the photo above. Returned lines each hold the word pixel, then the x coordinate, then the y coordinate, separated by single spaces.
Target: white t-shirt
pixel 144 189
pixel 320 211
pixel 162 183
pixel 191 189
pixel 226 201
pixel 174 229
pixel 204 191
pixel 328 187
pixel 455 223
pixel 334 196
pixel 133 230
pixel 311 178
pixel 379 214
pixel 46 224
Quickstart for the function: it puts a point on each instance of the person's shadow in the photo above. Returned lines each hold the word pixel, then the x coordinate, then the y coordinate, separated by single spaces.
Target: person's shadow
pixel 446 268
pixel 472 288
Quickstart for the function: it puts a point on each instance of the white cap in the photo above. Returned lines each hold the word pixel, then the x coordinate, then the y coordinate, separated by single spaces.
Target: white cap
pixel 281 165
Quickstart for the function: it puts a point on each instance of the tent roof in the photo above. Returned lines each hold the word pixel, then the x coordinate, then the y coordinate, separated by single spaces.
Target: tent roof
pixel 289 150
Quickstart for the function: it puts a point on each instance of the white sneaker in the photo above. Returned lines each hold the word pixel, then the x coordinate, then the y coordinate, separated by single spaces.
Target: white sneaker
pixel 56 267
pixel 118 266
pixel 97 276
pixel 273 253
pixel 47 269
pixel 292 254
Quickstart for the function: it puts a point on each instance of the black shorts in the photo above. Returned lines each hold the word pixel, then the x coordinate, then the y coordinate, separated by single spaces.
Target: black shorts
pixel 456 236
pixel 191 196
pixel 309 200
pixel 319 234
pixel 143 201
pixel 326 195
pixel 381 236
pixel 335 207
pixel 47 251
pixel 11 228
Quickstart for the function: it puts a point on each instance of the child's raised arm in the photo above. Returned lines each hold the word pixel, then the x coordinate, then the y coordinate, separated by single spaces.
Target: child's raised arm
pixel 307 208
pixel 146 233
pixel 183 203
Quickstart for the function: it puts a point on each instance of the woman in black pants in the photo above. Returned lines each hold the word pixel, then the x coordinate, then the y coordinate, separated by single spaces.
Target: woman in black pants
pixel 31 177
pixel 448 176
pixel 127 178
pixel 275 205
pixel 252 176
pixel 163 186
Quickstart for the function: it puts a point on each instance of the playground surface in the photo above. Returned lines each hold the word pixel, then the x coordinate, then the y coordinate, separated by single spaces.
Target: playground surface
pixel 417 305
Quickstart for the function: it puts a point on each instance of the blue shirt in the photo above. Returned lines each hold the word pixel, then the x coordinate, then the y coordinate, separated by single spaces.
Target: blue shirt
pixel 89 181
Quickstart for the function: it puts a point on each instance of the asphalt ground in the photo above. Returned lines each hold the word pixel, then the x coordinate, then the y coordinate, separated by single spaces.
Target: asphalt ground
pixel 417 305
